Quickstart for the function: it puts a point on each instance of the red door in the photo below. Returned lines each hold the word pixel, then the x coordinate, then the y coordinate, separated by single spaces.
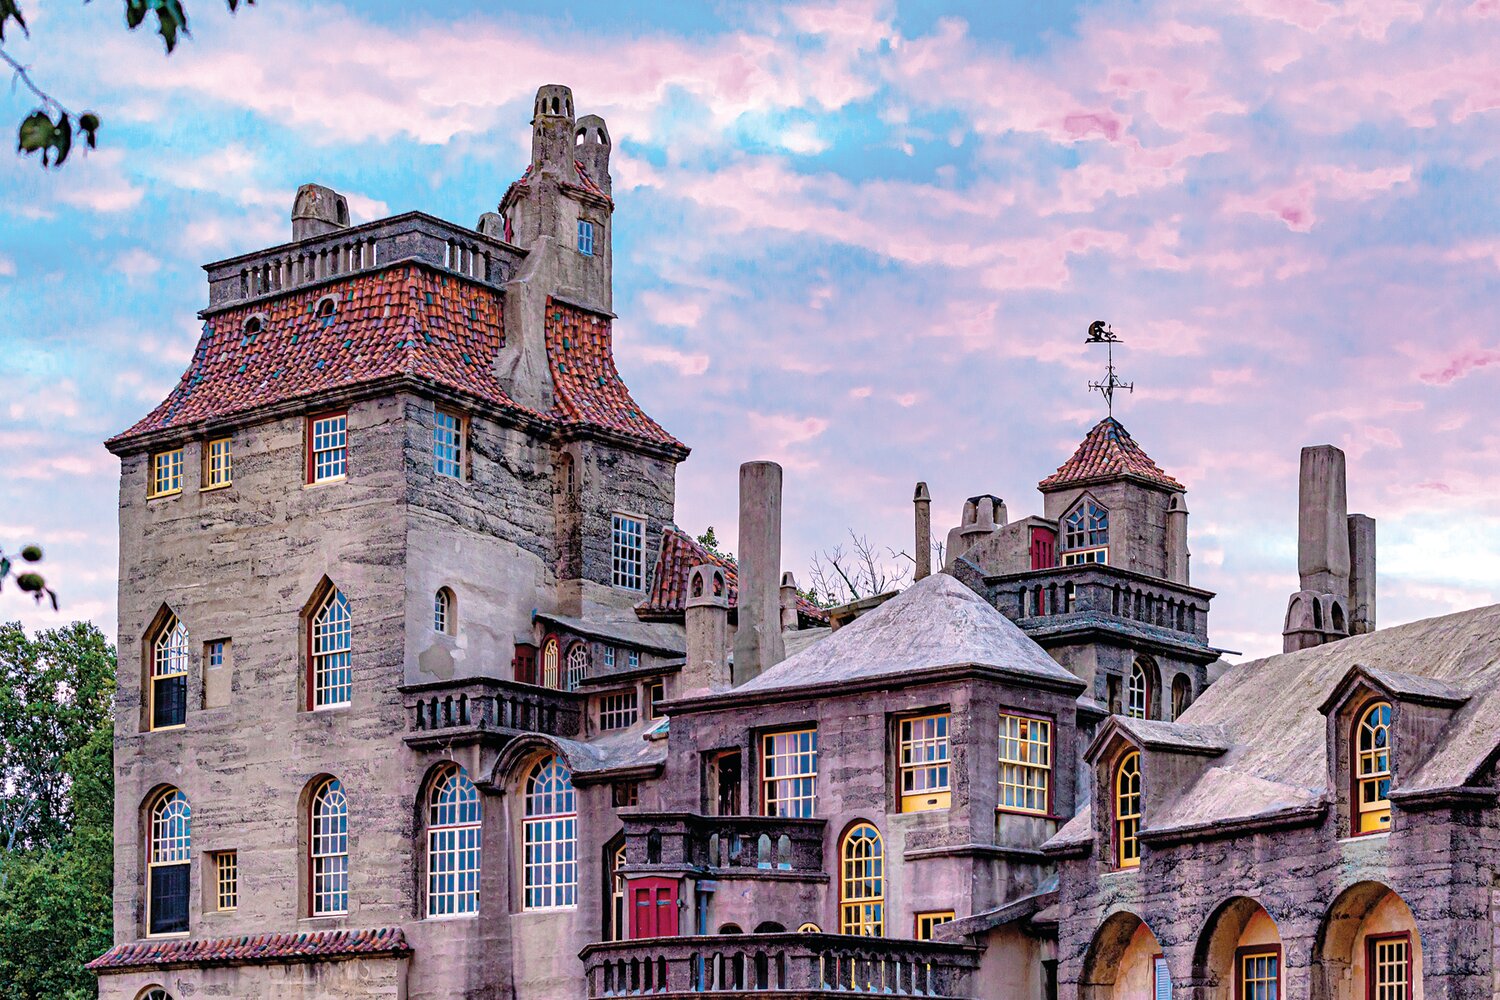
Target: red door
pixel 653 907
pixel 1043 548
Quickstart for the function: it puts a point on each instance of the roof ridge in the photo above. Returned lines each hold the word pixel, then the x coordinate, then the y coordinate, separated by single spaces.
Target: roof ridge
pixel 1108 451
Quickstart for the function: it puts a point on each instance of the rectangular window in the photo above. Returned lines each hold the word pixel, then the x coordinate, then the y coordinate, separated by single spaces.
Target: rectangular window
pixel 448 445
pixel 169 676
pixel 1025 765
pixel 585 238
pixel 657 693
pixel 169 899
pixel 924 763
pixel 633 660
pixel 218 467
pixel 789 772
pixel 1388 967
pixel 929 922
pixel 1259 974
pixel 609 657
pixel 227 879
pixel 166 473
pixel 628 548
pixel 618 711
pixel 327 447
pixel 1087 556
pixel 626 793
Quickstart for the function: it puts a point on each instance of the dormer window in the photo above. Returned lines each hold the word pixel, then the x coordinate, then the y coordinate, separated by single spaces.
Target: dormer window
pixel 1127 809
pixel 1372 769
pixel 1086 535
pixel 585 238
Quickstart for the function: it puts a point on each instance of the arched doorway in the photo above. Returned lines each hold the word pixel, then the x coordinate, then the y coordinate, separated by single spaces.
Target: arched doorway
pixel 1239 954
pixel 1123 962
pixel 1368 946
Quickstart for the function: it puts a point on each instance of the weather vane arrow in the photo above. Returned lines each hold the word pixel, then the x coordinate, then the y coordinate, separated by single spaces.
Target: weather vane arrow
pixel 1100 333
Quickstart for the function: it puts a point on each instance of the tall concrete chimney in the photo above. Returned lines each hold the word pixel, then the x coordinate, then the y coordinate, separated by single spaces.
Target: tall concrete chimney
pixel 707 621
pixel 922 500
pixel 757 637
pixel 1323 521
pixel 1361 574
pixel 1177 543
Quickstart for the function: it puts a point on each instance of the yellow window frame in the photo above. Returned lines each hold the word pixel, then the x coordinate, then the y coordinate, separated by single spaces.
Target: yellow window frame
pixel 925 762
pixel 218 464
pixel 1127 810
pixel 227 880
pixel 931 921
pixel 862 882
pixel 786 748
pixel 1025 765
pixel 166 474
pixel 1372 769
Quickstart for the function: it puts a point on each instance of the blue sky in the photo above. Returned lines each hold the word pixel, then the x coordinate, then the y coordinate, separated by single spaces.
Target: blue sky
pixel 863 239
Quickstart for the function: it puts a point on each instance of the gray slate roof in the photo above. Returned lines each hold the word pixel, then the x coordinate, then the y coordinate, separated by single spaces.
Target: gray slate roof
pixel 935 623
pixel 1269 709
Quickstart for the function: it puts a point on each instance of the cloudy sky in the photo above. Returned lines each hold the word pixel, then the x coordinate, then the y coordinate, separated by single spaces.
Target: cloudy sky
pixel 864 239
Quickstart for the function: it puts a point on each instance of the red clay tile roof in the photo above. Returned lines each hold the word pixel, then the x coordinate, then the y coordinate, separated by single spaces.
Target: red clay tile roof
pixel 1108 451
pixel 402 321
pixel 589 389
pixel 304 946
pixel 679 554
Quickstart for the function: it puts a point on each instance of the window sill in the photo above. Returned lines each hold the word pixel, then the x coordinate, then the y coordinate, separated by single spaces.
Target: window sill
pixel 315 918
pixel 164 496
pixel 1003 811
pixel 167 936
pixel 330 481
pixel 214 489
pixel 166 729
pixel 332 708
pixel 1355 838
pixel 443 918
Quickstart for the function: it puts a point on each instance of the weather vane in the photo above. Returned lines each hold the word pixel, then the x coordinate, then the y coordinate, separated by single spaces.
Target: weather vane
pixel 1100 333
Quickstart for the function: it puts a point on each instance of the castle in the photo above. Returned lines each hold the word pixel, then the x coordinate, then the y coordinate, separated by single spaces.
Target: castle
pixel 423 694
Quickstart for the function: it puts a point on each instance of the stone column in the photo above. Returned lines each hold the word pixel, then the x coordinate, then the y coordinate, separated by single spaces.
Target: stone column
pixel 1322 521
pixel 1177 544
pixel 922 500
pixel 1361 574
pixel 788 602
pixel 757 638
pixel 707 620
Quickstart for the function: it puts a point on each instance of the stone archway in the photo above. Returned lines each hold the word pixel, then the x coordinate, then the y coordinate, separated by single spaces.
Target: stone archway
pixel 1239 944
pixel 1368 933
pixel 1121 961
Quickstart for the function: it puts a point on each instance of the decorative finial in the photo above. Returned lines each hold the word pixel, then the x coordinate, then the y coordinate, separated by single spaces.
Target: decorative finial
pixel 1100 333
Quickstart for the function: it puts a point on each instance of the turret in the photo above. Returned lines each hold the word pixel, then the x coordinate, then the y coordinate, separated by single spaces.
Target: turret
pixel 591 147
pixel 552 133
pixel 317 210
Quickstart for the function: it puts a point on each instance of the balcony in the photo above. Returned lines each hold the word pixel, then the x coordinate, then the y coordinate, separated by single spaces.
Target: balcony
pixel 1052 598
pixel 446 711
pixel 725 846
pixel 743 965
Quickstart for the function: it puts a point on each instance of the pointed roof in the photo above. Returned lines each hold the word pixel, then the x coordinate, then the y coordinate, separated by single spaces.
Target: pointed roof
pixel 680 552
pixel 935 624
pixel 1108 452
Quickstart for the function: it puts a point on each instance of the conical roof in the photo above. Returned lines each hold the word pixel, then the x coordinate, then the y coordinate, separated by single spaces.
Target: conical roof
pixel 935 623
pixel 1108 452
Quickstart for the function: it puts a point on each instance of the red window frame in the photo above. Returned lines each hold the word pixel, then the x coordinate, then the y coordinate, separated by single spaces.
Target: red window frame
pixel 1370 942
pixel 307 442
pixel 1244 951
pixel 662 896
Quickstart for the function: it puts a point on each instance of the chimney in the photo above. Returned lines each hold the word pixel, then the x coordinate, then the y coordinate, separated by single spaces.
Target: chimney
pixel 552 133
pixel 707 621
pixel 1177 543
pixel 788 602
pixel 1335 557
pixel 1361 574
pixel 922 500
pixel 757 637
pixel 591 148
pixel 317 210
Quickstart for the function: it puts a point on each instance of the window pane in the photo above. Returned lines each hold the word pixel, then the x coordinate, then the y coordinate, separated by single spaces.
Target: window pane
pixel 169 899
pixel 329 439
pixel 447 445
pixel 628 548
pixel 790 762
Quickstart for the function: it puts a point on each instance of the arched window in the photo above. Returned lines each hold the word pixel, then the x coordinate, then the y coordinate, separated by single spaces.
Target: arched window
pixel 444 612
pixel 809 928
pixel 1127 801
pixel 550 654
pixel 331 677
pixel 453 839
pixel 618 931
pixel 1138 691
pixel 328 848
pixel 1372 769
pixel 326 307
pixel 551 836
pixel 1182 695
pixel 154 993
pixel 1086 534
pixel 862 886
pixel 169 669
pixel 169 860
pixel 578 664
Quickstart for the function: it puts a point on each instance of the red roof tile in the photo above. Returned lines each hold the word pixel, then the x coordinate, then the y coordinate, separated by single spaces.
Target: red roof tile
pixel 1108 451
pixel 679 554
pixel 589 389
pixel 246 949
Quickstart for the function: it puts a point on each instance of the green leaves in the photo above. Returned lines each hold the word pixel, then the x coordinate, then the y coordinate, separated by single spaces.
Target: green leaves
pixel 30 581
pixel 171 19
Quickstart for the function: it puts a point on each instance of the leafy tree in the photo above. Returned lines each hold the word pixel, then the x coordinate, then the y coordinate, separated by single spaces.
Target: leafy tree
pixel 56 862
pixel 710 541
pixel 50 129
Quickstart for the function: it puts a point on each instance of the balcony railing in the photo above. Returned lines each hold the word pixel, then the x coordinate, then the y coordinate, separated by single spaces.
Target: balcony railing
pixel 725 845
pixel 1102 590
pixel 487 704
pixel 746 964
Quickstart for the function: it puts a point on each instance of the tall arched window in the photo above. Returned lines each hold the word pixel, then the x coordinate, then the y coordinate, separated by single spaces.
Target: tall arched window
pixel 618 931
pixel 444 612
pixel 1372 769
pixel 328 849
pixel 550 654
pixel 1138 691
pixel 169 670
pixel 578 664
pixel 1086 534
pixel 1127 805
pixel 453 839
pixel 1182 695
pixel 331 673
pixel 862 884
pixel 169 860
pixel 550 833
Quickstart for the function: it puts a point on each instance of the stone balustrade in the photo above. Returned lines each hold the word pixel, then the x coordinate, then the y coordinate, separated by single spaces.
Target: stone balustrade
pixel 783 963
pixel 488 704
pixel 725 845
pixel 1102 591
pixel 410 237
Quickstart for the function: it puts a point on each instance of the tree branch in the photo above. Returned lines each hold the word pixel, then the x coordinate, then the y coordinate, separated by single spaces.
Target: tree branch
pixel 47 99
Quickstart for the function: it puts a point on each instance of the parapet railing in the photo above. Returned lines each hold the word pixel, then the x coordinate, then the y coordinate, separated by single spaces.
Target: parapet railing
pixel 413 236
pixel 726 845
pixel 745 964
pixel 1102 590
pixel 492 704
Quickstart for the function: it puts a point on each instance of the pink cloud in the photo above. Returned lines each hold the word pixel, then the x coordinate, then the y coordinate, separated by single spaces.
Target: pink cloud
pixel 1460 365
